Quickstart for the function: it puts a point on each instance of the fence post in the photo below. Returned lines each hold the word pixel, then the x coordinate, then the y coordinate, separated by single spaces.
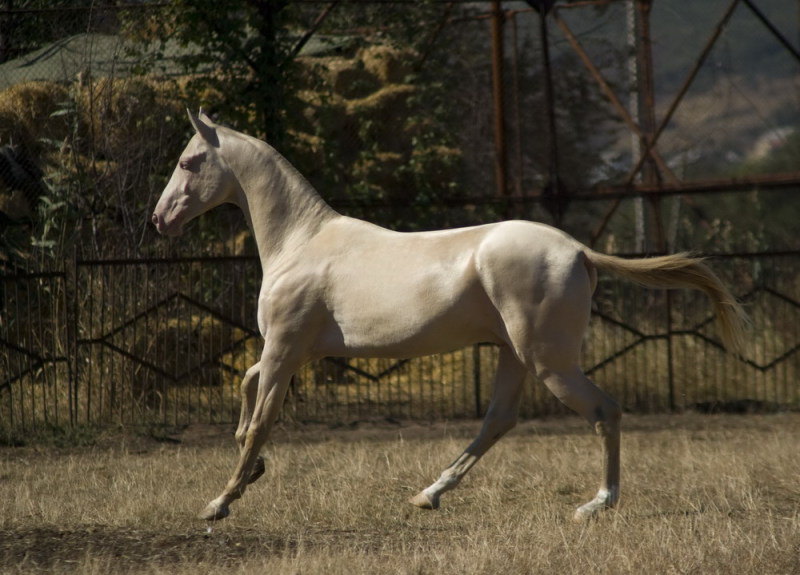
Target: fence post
pixel 71 305
pixel 498 97
pixel 476 377
pixel 670 367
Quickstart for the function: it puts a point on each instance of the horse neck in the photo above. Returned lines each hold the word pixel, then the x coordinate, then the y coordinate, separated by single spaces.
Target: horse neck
pixel 282 208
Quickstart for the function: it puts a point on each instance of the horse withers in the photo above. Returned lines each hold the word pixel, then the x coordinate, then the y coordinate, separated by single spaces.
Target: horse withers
pixel 337 286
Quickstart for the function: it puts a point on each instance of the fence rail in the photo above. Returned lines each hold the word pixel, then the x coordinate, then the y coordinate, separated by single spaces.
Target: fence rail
pixel 166 341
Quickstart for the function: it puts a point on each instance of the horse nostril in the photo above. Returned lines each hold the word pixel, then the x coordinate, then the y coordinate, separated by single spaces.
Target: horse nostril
pixel 155 219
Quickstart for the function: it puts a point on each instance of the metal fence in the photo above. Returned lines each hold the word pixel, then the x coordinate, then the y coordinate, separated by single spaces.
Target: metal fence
pixel 634 125
pixel 166 341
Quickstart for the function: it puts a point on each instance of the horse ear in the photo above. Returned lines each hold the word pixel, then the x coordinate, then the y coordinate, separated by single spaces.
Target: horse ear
pixel 205 127
pixel 203 116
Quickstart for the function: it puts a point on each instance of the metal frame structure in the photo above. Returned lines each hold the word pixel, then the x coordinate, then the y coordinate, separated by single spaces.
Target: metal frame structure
pixel 650 177
pixel 127 343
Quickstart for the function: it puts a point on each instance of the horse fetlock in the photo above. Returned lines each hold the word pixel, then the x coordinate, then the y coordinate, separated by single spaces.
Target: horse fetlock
pixel 258 470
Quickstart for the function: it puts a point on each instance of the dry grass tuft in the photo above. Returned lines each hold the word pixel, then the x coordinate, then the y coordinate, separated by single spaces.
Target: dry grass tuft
pixel 714 494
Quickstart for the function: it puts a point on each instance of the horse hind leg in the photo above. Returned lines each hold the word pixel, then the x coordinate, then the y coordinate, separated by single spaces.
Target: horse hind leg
pixel 500 418
pixel 548 339
pixel 249 390
pixel 578 393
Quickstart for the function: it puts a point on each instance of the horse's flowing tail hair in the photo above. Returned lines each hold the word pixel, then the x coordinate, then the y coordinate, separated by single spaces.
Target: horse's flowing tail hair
pixel 679 271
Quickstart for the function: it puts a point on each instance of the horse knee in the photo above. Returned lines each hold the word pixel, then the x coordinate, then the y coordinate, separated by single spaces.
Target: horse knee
pixel 608 411
pixel 250 380
pixel 240 436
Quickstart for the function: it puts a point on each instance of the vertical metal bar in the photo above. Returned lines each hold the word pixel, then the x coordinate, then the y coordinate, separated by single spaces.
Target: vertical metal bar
pixel 670 363
pixel 25 360
pixel 668 115
pixel 684 88
pixel 92 317
pixel 517 114
pixel 38 341
pixel 348 391
pixel 121 278
pixel 410 388
pixel 71 301
pixel 53 321
pixel 476 379
pixel 120 303
pixel 57 339
pixel 452 385
pixel 226 404
pixel 189 392
pixel 28 402
pixel 647 121
pixel 432 384
pixel 637 138
pixel 553 187
pixel 498 97
pixel 4 298
pixel 80 306
pixel 4 359
pixel 646 105
pixel 608 92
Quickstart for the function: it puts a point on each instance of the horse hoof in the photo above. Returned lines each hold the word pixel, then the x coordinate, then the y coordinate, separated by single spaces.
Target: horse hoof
pixel 214 512
pixel 604 500
pixel 258 470
pixel 588 512
pixel 422 501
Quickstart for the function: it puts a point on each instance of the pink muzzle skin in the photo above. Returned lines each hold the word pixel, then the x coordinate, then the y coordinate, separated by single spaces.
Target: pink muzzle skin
pixel 172 229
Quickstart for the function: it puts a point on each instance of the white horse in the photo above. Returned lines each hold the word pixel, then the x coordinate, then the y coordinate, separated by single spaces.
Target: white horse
pixel 338 286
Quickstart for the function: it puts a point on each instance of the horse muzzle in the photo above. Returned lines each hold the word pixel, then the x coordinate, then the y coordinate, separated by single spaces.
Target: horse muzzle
pixel 172 228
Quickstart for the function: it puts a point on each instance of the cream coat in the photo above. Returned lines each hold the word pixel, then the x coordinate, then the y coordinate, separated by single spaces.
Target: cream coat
pixel 337 286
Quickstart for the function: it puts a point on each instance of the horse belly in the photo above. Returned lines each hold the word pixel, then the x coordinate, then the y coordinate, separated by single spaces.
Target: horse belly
pixel 402 339
pixel 409 321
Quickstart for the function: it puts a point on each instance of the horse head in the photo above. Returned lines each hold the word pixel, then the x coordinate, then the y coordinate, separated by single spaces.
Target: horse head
pixel 201 181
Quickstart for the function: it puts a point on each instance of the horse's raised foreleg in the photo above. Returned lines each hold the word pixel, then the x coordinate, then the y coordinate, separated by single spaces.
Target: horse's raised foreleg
pixel 249 391
pixel 578 393
pixel 500 418
pixel 273 381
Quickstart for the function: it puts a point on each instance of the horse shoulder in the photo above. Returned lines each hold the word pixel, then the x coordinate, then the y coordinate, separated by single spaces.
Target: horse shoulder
pixel 290 298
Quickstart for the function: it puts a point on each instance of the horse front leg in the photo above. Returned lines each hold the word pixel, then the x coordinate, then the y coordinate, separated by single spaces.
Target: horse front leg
pixel 273 381
pixel 249 390
pixel 500 418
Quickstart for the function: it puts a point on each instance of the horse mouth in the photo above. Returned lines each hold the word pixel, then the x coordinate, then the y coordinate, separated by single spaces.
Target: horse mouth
pixel 173 228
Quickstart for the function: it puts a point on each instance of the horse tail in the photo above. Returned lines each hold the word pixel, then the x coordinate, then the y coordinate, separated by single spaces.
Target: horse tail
pixel 682 271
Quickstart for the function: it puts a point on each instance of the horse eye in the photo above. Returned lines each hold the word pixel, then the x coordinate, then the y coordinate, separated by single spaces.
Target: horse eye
pixel 192 163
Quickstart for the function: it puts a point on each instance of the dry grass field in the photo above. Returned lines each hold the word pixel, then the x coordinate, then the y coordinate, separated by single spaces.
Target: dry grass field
pixel 710 494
